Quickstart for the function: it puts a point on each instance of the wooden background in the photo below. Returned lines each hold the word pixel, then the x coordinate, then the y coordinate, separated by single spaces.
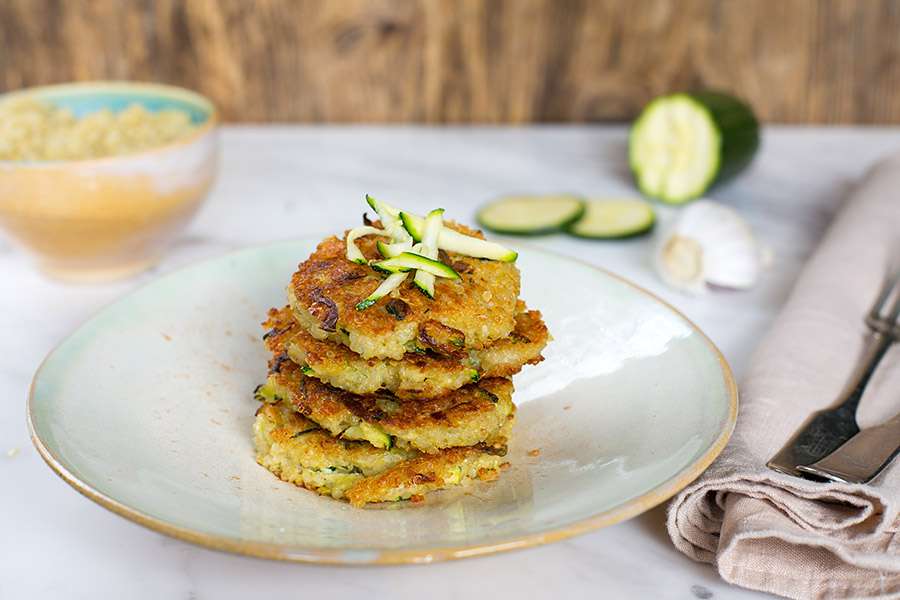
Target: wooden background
pixel 805 61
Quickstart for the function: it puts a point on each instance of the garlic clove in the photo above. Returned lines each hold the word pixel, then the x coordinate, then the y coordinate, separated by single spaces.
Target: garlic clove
pixel 709 244
pixel 680 262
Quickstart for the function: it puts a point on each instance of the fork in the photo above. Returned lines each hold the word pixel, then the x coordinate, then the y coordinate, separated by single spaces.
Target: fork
pixel 826 430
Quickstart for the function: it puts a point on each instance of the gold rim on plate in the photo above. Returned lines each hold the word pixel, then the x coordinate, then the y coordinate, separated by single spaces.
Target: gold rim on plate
pixel 272 551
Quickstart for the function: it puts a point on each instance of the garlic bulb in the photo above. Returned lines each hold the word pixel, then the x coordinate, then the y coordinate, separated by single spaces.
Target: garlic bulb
pixel 709 244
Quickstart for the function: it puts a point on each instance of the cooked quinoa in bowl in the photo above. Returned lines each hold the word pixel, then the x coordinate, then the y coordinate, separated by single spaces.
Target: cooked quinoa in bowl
pixel 34 129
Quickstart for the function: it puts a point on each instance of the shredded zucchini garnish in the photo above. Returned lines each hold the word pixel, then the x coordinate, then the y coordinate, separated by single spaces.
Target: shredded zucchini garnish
pixel 353 253
pixel 410 233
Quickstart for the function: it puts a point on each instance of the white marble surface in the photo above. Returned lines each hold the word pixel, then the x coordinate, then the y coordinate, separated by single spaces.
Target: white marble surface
pixel 279 182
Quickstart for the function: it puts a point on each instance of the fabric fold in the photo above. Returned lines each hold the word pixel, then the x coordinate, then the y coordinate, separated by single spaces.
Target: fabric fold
pixel 785 535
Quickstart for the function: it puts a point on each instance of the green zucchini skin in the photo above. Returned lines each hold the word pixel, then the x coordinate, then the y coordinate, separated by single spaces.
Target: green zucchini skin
pixel 624 236
pixel 412 227
pixel 409 261
pixel 549 230
pixel 737 129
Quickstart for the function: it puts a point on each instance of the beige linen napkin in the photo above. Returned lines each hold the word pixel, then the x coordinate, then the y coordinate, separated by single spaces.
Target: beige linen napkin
pixel 781 534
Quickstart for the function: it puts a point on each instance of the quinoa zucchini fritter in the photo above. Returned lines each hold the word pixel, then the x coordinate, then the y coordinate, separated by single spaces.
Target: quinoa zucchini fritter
pixel 423 375
pixel 297 451
pixel 470 415
pixel 467 313
pixel 391 366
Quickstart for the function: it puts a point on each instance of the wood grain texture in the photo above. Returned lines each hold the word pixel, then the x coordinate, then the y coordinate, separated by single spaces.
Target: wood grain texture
pixel 458 61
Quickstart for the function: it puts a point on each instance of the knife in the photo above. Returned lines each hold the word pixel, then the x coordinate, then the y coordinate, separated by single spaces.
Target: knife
pixel 861 458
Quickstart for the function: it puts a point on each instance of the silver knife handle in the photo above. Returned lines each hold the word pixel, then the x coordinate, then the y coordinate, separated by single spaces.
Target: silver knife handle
pixel 862 457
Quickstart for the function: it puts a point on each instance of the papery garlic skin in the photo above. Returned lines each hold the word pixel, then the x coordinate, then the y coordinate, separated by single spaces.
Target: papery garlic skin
pixel 709 244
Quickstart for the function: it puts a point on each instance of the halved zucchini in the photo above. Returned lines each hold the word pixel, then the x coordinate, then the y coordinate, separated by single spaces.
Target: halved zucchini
pixel 614 218
pixel 530 215
pixel 683 143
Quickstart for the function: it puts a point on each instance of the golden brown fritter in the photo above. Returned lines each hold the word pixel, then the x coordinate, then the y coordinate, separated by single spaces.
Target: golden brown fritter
pixel 423 375
pixel 470 415
pixel 469 313
pixel 415 478
pixel 297 451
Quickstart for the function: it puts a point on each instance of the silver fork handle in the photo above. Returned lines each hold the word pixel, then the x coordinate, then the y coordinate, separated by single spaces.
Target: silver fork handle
pixel 877 347
pixel 826 430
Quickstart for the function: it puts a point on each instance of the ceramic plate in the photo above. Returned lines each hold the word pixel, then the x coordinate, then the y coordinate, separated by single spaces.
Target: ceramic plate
pixel 147 410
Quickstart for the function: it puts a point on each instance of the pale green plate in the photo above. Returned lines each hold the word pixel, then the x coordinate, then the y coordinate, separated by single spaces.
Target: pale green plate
pixel 147 410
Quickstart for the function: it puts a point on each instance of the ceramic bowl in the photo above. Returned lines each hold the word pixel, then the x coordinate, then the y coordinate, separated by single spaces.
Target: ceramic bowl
pixel 109 217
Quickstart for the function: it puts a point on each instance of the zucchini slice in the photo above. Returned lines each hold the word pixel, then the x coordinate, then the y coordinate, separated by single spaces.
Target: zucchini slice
pixel 407 261
pixel 387 286
pixel 530 215
pixel 614 218
pixel 684 143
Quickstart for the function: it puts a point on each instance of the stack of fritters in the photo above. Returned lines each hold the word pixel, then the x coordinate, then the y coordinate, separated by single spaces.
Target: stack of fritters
pixel 410 395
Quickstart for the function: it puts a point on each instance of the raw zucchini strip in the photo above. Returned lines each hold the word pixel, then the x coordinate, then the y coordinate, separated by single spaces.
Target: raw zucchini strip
pixel 614 218
pixel 454 241
pixel 408 261
pixel 402 255
pixel 353 252
pixel 392 250
pixel 448 239
pixel 434 222
pixel 390 220
pixel 387 286
pixel 530 215
pixel 385 211
pixel 414 225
